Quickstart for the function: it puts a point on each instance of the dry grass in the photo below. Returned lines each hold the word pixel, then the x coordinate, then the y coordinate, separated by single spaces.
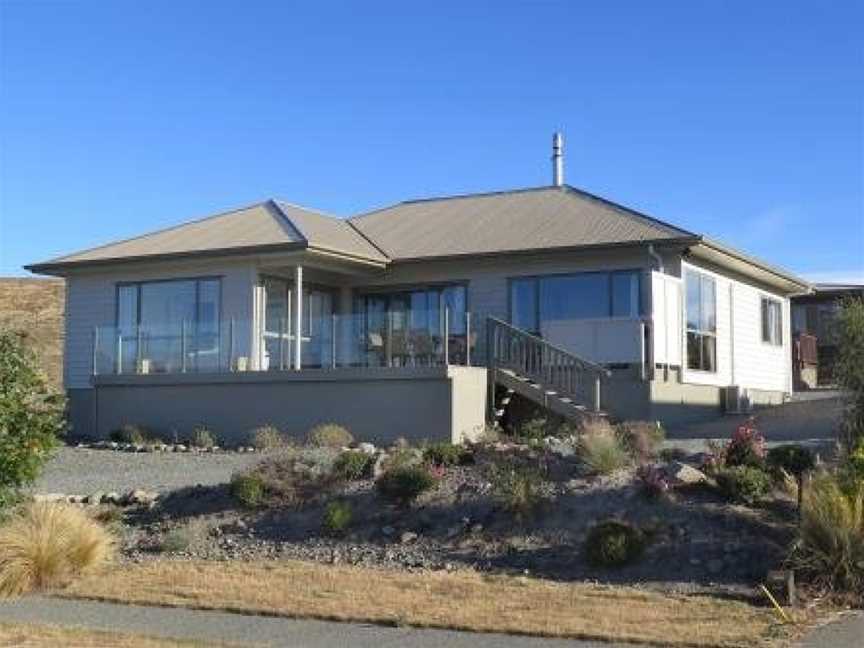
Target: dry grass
pixel 466 600
pixel 45 545
pixel 45 636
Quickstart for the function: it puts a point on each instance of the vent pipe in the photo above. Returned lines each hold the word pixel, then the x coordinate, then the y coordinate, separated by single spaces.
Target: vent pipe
pixel 557 160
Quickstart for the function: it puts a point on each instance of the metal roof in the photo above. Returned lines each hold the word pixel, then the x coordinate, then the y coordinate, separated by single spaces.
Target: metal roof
pixel 508 221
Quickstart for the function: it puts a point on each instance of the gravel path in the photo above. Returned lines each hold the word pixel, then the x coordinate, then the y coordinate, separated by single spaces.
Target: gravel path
pixel 82 471
pixel 208 626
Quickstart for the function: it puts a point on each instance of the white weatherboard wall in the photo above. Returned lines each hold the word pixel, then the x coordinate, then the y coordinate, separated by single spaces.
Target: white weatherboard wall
pixel 743 359
pixel 91 302
pixel 666 301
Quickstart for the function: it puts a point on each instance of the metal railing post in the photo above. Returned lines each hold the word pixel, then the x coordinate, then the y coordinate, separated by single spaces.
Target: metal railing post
pixel 183 346
pixel 467 339
pixel 118 361
pixel 138 349
pixel 597 392
pixel 231 344
pixel 95 347
pixel 333 340
pixel 281 344
pixel 446 335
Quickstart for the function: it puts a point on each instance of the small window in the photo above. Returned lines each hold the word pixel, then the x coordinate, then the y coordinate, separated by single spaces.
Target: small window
pixel 772 321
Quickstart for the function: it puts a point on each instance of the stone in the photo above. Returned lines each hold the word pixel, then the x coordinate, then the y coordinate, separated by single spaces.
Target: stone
pixel 408 537
pixel 94 498
pixel 560 447
pixel 139 496
pixel 75 499
pixel 681 474
pixel 366 448
pixel 112 498
pixel 50 497
pixel 179 448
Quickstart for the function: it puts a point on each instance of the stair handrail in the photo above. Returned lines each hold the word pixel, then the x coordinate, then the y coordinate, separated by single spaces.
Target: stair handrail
pixel 534 338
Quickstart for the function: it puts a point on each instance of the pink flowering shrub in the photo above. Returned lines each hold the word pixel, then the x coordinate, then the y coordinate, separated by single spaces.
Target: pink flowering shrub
pixel 747 447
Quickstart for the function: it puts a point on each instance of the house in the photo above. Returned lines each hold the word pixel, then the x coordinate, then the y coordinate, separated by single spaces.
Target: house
pixel 421 319
pixel 814 336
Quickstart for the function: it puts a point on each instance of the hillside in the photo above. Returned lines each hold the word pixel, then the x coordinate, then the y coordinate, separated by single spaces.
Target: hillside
pixel 35 308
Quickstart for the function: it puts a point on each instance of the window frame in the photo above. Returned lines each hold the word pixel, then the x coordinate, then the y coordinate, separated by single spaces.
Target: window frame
pixel 765 302
pixel 698 332
pixel 610 274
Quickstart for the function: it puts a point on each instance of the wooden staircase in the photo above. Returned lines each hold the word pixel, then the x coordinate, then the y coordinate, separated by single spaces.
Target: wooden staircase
pixel 545 374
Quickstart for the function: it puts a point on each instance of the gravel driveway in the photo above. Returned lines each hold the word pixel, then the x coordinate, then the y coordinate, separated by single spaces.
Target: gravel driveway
pixel 82 471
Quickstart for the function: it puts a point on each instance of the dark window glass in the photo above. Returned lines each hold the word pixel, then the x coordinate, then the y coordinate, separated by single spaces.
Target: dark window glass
pixel 701 316
pixel 523 304
pixel 625 294
pixel 576 297
pixel 772 321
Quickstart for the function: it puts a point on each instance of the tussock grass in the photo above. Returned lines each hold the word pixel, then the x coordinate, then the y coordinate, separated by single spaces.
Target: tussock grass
pixel 48 636
pixel 463 600
pixel 45 545
pixel 603 453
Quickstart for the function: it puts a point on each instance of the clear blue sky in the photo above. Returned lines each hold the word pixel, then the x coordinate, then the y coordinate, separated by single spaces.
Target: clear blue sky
pixel 742 120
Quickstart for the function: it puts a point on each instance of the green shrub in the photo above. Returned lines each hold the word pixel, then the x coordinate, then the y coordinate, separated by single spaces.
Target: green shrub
pixel 793 458
pixel 613 543
pixel 329 435
pixel 829 550
pixel 534 429
pixel 447 454
pixel 849 370
pixel 516 486
pixel 353 465
pixel 31 417
pixel 292 478
pixel 130 433
pixel 403 484
pixel 248 489
pixel 641 438
pixel 202 437
pixel 745 484
pixel 337 518
pixel 175 540
pixel 267 437
pixel 602 452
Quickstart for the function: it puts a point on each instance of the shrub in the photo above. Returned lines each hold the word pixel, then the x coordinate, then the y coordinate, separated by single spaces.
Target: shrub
pixel 747 447
pixel 248 489
pixel 175 541
pixel 329 435
pixel 641 438
pixel 290 478
pixel 267 437
pixel 533 429
pixel 337 518
pixel 602 452
pixel 31 417
pixel 515 486
pixel 447 454
pixel 353 465
pixel 613 543
pixel 793 458
pixel 202 437
pixel 47 544
pixel 849 370
pixel 130 433
pixel 745 484
pixel 403 484
pixel 829 550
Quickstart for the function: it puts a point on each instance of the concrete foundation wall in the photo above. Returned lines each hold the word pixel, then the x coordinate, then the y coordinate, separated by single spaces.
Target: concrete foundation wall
pixel 379 406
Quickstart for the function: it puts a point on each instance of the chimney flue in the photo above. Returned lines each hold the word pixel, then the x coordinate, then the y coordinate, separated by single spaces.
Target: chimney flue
pixel 557 160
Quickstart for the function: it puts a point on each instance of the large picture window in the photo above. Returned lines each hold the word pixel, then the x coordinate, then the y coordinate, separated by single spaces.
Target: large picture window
pixel 169 326
pixel 772 321
pixel 701 321
pixel 535 301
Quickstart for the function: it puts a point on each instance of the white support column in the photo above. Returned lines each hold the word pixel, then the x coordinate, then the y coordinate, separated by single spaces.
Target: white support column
pixel 298 317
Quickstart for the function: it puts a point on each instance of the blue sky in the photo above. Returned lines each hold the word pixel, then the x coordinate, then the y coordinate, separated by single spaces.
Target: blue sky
pixel 742 120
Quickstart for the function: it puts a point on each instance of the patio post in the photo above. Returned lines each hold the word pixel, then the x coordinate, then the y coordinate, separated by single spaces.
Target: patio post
pixel 298 317
pixel 467 339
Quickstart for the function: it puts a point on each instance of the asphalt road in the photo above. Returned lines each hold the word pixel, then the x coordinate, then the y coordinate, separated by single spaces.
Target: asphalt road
pixel 241 629
pixel 845 632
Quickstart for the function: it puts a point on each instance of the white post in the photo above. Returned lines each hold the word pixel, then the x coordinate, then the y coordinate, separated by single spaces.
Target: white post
pixel 298 317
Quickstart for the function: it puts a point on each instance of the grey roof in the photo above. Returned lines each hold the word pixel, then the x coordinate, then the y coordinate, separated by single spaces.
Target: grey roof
pixel 508 221
pixel 263 226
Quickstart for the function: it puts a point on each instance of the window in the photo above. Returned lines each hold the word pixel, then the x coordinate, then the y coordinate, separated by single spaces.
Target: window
pixel 537 301
pixel 174 325
pixel 701 321
pixel 772 321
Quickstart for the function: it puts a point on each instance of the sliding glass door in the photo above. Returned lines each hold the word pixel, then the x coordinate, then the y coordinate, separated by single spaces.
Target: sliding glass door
pixel 279 326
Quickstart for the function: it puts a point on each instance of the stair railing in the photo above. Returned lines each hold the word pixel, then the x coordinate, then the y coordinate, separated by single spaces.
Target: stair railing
pixel 509 347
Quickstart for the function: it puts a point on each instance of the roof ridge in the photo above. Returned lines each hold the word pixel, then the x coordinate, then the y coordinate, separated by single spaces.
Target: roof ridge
pixel 482 194
pixel 629 211
pixel 162 230
pixel 278 206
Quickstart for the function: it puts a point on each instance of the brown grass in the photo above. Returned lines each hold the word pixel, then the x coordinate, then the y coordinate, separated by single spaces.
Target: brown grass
pixel 45 636
pixel 465 600
pixel 46 544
